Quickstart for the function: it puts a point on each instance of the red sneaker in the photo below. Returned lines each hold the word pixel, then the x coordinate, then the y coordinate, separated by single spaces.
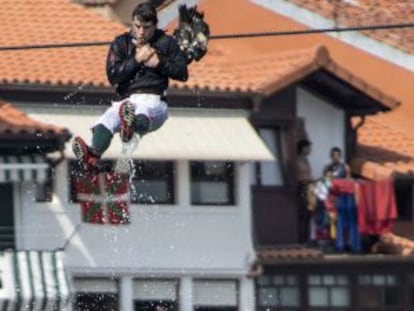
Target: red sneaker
pixel 127 115
pixel 83 154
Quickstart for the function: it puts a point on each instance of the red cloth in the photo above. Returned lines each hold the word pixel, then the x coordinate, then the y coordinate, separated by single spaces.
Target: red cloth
pixel 377 209
pixel 342 186
pixel 338 186
pixel 104 198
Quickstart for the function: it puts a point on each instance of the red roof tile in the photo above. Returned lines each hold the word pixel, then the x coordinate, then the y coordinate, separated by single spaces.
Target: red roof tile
pixel 390 243
pixel 384 76
pixel 286 253
pixel 96 2
pixel 383 150
pixel 36 22
pixel 14 121
pixel 59 21
pixel 269 72
pixel 368 12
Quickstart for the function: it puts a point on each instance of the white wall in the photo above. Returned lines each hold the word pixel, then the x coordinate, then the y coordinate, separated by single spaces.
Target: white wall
pixel 325 126
pixel 159 240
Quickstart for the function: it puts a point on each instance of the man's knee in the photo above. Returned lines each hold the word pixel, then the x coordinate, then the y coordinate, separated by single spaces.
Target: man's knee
pixel 142 124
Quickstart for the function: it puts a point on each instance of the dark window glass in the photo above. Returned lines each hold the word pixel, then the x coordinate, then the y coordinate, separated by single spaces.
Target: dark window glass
pixel 215 308
pixel 155 305
pixel 96 302
pixel 379 292
pixel 272 173
pixel 153 182
pixel 212 183
pixel 278 292
pixel 328 292
pixel 7 234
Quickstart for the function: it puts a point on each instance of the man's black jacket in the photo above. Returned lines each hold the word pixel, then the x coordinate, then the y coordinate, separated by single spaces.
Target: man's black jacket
pixel 130 77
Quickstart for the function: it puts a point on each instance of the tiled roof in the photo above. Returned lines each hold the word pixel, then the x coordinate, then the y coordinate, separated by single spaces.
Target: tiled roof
pixel 97 2
pixel 14 122
pixel 287 253
pixel 385 76
pixel 159 3
pixel 60 21
pixel 383 150
pixel 369 12
pixel 269 72
pixel 34 22
pixel 390 243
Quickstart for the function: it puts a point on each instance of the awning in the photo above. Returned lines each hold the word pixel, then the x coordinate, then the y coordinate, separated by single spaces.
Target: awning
pixel 189 134
pixel 23 168
pixel 33 280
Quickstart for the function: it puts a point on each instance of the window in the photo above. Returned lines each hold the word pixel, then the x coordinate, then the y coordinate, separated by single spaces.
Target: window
pixel 328 292
pixel 379 292
pixel 95 294
pixel 212 183
pixel 153 182
pixel 155 295
pixel 7 235
pixel 271 172
pixel 215 295
pixel 44 190
pixel 96 302
pixel 278 291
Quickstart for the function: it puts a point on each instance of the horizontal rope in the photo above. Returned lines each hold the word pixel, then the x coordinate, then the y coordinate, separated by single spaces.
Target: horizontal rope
pixel 224 36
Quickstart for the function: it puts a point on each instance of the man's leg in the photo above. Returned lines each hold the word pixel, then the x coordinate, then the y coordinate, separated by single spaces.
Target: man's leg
pixel 141 124
pixel 101 138
pixel 126 116
pixel 150 117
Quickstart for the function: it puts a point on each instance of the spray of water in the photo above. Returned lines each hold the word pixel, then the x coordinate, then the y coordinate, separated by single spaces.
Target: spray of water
pixel 125 164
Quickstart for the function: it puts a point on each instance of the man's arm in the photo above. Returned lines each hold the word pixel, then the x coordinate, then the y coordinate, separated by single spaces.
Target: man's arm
pixel 119 66
pixel 174 64
pixel 348 172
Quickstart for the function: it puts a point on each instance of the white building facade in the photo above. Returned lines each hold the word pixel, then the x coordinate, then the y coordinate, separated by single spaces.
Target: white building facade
pixel 188 244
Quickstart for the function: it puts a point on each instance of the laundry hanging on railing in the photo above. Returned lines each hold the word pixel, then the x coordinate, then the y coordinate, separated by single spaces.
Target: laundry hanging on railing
pixel 377 209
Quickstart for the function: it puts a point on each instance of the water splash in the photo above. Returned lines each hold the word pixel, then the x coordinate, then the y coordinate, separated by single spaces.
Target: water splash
pixel 125 163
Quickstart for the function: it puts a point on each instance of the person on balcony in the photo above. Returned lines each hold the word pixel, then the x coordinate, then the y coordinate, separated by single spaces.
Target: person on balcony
pixel 304 178
pixel 337 168
pixel 342 203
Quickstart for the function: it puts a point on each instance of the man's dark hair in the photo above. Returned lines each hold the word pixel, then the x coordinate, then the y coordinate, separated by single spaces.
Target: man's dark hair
pixel 336 149
pixel 145 12
pixel 303 143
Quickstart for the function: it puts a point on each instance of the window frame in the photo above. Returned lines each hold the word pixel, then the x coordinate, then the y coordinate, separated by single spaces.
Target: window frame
pixel 113 297
pixel 280 137
pixel 329 288
pixel 44 191
pixel 73 168
pixel 151 303
pixel 169 177
pixel 227 177
pixel 382 288
pixel 279 287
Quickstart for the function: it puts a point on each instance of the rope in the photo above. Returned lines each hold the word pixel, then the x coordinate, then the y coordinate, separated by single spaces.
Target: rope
pixel 225 36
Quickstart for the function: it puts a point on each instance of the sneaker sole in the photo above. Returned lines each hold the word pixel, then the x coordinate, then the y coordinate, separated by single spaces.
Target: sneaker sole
pixel 79 149
pixel 127 114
